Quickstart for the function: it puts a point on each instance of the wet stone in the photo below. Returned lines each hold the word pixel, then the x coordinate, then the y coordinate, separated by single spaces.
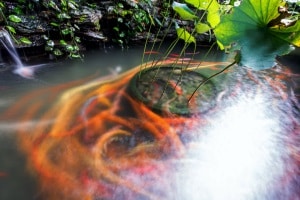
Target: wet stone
pixel 165 91
pixel 29 25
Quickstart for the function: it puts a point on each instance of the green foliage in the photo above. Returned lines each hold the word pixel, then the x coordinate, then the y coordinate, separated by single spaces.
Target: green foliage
pixel 131 20
pixel 184 11
pixel 260 30
pixel 256 27
pixel 25 40
pixel 68 44
pixel 211 7
pixel 184 35
pixel 60 20
pixel 202 27
pixel 73 20
pixel 203 22
pixel 14 18
pixel 11 29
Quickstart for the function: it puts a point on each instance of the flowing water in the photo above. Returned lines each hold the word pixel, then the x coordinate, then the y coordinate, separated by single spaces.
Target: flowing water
pixel 95 139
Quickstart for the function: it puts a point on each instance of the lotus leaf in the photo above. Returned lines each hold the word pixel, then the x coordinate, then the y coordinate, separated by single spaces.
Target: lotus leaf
pixel 251 26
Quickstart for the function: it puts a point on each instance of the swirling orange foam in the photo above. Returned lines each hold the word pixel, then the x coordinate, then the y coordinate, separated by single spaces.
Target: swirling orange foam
pixel 76 149
pixel 95 141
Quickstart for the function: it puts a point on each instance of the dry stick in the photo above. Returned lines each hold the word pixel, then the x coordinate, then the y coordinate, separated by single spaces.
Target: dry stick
pixel 206 80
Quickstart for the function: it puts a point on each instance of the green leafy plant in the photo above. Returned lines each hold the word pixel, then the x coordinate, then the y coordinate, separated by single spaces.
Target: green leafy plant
pixel 131 20
pixel 257 28
pixel 255 32
pixel 260 30
pixel 15 19
pixel 208 17
pixel 69 42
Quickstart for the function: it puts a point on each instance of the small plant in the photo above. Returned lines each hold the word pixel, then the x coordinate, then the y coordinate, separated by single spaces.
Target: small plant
pixel 15 19
pixel 206 15
pixel 69 42
pixel 131 20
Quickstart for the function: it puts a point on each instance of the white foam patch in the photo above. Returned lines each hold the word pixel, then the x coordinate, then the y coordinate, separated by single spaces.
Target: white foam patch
pixel 238 157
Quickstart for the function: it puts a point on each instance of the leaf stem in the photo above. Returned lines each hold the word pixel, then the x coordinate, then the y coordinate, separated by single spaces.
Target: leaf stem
pixel 210 77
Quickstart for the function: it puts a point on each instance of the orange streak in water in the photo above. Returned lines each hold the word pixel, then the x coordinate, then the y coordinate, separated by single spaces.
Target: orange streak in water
pixel 83 153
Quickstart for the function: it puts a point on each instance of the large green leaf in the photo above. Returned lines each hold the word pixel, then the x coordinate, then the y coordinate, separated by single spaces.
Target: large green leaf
pixel 201 28
pixel 249 26
pixel 290 34
pixel 11 29
pixel 211 6
pixel 184 11
pixel 213 18
pixel 25 40
pixel 14 18
pixel 184 35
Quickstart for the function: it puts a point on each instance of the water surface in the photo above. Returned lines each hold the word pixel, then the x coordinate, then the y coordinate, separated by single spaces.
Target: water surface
pixel 240 152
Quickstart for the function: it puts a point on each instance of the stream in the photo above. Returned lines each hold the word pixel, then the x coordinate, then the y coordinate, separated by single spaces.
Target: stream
pixel 243 147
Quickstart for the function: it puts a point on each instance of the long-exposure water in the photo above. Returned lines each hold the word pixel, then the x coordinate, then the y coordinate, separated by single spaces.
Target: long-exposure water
pixel 244 147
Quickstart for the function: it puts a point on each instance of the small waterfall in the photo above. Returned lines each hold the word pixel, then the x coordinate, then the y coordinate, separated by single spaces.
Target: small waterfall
pixel 24 71
pixel 8 44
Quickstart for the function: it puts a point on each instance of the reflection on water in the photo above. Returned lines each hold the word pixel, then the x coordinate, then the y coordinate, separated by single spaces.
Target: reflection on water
pixel 95 139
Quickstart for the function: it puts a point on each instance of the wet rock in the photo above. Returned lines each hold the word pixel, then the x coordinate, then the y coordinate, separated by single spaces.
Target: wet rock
pixel 36 41
pixel 30 25
pixel 87 16
pixel 94 35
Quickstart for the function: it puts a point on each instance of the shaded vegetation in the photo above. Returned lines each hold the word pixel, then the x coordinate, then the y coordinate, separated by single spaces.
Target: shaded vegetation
pixel 67 27
pixel 259 30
